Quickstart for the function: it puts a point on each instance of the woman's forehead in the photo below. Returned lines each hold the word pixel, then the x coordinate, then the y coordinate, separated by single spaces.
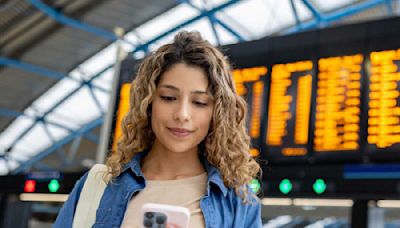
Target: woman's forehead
pixel 182 77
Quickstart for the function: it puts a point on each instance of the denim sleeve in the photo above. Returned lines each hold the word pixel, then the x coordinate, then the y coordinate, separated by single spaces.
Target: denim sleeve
pixel 253 218
pixel 66 215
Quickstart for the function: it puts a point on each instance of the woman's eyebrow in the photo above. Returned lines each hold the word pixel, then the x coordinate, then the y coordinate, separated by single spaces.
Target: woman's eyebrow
pixel 177 89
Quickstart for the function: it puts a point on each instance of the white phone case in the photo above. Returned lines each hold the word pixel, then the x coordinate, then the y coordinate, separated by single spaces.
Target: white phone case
pixel 178 216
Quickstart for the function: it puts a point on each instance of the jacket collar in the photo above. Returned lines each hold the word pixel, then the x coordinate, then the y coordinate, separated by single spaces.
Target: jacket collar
pixel 214 175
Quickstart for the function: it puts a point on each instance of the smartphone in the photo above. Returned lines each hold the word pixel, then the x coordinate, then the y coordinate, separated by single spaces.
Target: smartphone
pixel 164 216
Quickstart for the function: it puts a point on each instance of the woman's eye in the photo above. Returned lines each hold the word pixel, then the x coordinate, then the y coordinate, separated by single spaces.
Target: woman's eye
pixel 200 103
pixel 167 98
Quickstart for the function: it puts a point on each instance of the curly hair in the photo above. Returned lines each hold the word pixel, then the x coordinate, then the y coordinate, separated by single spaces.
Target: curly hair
pixel 227 144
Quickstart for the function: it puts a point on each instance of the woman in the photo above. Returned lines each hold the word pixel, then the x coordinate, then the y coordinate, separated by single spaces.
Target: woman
pixel 184 143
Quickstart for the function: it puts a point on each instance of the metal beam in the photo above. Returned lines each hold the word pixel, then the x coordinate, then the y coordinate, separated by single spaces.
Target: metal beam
pixel 43 71
pixel 60 151
pixel 66 97
pixel 95 99
pixel 34 69
pixel 313 10
pixel 41 155
pixel 74 149
pixel 187 22
pixel 92 137
pixel 59 17
pixel 336 15
pixel 296 15
pixel 216 20
pixel 212 21
pixel 237 25
pixel 353 9
pixel 230 30
pixel 11 113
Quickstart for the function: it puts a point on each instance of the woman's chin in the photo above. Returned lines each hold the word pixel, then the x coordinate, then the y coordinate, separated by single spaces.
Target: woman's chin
pixel 181 149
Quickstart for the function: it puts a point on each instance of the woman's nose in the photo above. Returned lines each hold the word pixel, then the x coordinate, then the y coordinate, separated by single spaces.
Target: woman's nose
pixel 182 112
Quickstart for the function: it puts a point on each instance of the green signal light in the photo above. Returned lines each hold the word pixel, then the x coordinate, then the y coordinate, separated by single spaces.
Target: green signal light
pixel 54 185
pixel 285 186
pixel 254 185
pixel 319 186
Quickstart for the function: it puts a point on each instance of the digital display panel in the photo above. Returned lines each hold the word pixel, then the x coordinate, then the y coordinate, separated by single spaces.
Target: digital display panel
pixel 323 98
pixel 123 109
pixel 337 122
pixel 383 101
pixel 250 84
pixel 289 108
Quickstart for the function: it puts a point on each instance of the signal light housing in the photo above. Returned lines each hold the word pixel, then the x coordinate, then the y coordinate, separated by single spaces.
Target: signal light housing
pixel 30 186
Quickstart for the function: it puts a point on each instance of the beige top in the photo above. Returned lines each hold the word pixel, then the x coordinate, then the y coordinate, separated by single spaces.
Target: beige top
pixel 182 192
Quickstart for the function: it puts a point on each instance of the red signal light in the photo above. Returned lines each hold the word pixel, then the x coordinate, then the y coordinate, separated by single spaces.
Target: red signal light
pixel 30 186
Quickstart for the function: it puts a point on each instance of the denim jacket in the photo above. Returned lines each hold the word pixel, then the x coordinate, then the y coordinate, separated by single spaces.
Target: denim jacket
pixel 221 206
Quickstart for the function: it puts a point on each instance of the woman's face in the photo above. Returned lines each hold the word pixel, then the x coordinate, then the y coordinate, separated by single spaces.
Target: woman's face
pixel 181 109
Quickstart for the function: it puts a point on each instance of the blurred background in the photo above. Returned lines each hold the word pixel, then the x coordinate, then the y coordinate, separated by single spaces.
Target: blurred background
pixel 321 79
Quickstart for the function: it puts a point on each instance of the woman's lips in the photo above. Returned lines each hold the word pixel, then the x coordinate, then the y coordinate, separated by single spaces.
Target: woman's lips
pixel 179 132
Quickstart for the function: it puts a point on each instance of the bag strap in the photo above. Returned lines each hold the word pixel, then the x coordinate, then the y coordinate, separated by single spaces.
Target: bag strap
pixel 89 200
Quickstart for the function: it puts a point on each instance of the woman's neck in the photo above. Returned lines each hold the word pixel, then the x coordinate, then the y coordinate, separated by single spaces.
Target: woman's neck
pixel 162 164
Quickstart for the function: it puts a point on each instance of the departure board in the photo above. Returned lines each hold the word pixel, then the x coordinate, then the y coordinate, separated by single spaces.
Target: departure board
pixel 337 122
pixel 383 105
pixel 128 70
pixel 326 96
pixel 289 108
pixel 250 84
pixel 123 109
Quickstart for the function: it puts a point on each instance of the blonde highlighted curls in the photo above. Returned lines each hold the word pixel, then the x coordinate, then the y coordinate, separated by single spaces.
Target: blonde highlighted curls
pixel 227 144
